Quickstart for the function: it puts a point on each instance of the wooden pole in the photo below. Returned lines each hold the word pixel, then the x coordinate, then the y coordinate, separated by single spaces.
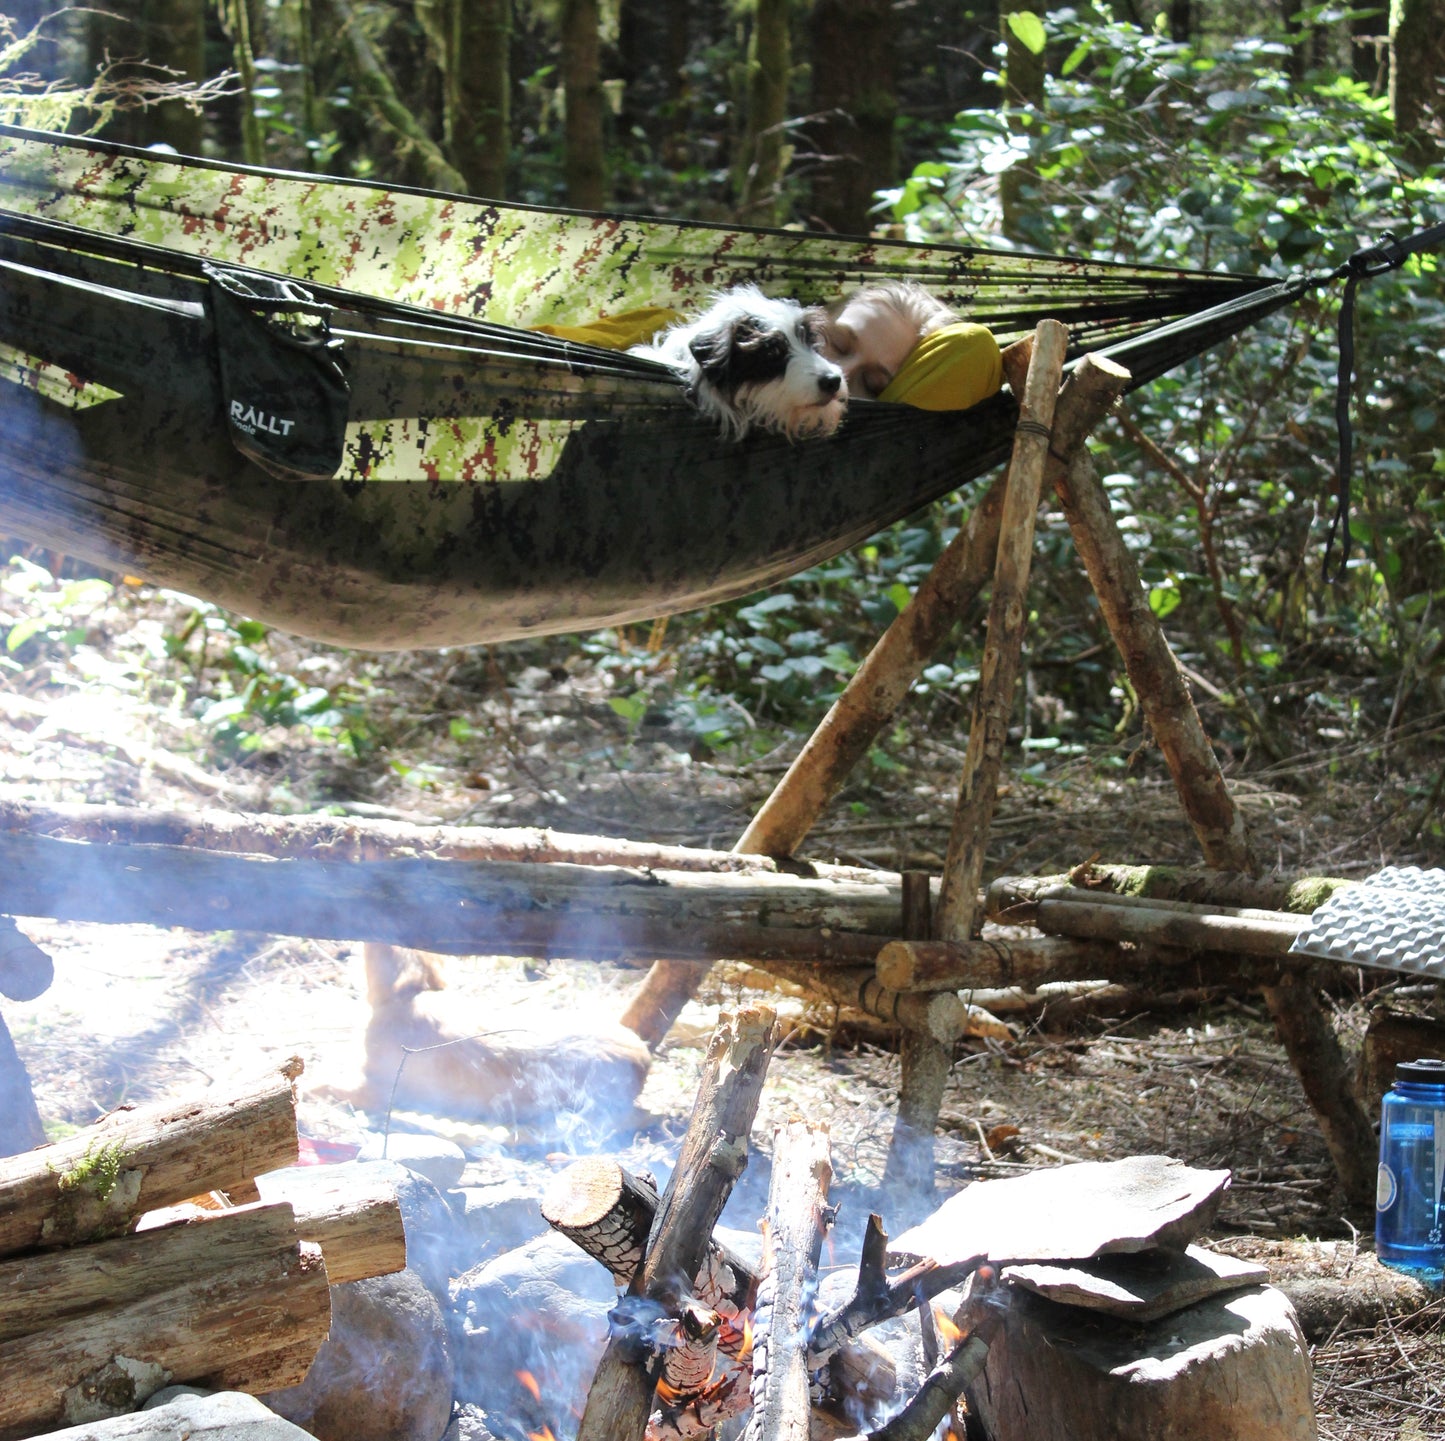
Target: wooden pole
pixel 1300 1020
pixel 1007 616
pixel 796 1224
pixel 1163 696
pixel 713 1155
pixel 97 1182
pixel 517 908
pixel 335 838
pixel 924 1062
pixel 910 966
pixel 1012 899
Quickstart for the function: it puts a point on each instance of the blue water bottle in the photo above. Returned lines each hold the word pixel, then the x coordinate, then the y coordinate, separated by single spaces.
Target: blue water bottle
pixel 1410 1192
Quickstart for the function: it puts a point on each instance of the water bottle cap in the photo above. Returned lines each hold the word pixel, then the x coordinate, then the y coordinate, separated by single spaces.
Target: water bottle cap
pixel 1429 1072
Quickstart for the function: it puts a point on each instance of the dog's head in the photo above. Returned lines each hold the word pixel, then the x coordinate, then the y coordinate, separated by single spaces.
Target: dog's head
pixel 759 363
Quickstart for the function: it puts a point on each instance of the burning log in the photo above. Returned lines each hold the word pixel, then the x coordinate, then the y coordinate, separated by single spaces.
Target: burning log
pixel 134 1160
pixel 608 1213
pixel 714 1153
pixel 796 1224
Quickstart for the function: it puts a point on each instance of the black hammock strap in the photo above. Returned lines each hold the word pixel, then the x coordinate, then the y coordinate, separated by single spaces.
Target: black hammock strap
pixel 1370 261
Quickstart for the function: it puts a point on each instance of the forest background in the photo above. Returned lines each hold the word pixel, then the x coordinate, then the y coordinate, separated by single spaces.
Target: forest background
pixel 1203 133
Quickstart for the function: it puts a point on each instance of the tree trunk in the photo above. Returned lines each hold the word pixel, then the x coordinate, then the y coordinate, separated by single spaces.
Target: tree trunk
pixel 585 164
pixel 854 91
pixel 760 166
pixel 237 14
pixel 1023 92
pixel 478 92
pixel 1417 75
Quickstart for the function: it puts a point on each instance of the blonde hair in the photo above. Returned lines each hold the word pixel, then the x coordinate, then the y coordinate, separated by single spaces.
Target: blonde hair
pixel 921 309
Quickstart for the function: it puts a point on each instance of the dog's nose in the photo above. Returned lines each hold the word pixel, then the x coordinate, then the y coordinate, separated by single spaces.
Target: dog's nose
pixel 830 384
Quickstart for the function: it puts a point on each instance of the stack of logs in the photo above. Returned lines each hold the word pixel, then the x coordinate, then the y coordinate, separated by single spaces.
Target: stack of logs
pixel 105 1297
pixel 699 1335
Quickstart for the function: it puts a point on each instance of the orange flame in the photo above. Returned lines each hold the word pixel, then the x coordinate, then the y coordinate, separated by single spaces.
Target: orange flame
pixel 948 1333
pixel 529 1384
pixel 745 1351
pixel 545 1434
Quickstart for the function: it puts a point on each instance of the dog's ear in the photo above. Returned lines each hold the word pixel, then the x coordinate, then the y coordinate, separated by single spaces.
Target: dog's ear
pixel 712 349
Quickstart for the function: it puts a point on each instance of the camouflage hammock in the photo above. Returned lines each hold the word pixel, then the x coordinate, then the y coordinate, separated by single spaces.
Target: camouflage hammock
pixel 481 481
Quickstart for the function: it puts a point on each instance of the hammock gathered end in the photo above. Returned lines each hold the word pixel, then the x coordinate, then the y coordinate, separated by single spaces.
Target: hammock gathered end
pixel 461 477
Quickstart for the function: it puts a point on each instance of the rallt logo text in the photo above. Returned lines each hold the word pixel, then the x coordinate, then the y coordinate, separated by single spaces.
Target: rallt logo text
pixel 249 419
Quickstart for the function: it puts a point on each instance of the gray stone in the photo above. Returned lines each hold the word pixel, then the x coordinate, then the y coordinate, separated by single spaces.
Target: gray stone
pixel 384 1373
pixel 440 1161
pixel 1142 1286
pixel 495 1218
pixel 1070 1213
pixel 539 1311
pixel 182 1413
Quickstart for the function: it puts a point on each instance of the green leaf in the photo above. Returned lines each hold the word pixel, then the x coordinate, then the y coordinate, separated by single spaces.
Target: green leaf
pixel 1077 56
pixel 22 631
pixel 1028 30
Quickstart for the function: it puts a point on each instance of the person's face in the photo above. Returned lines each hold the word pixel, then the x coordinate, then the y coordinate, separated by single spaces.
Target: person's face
pixel 868 342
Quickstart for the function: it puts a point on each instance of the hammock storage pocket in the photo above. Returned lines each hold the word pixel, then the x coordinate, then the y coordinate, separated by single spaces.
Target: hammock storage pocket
pixel 283 376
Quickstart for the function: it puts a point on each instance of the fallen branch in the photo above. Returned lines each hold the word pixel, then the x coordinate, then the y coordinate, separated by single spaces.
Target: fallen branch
pixel 1011 899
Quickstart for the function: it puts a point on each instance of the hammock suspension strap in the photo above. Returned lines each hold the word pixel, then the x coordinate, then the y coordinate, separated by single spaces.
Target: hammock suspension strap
pixel 1370 261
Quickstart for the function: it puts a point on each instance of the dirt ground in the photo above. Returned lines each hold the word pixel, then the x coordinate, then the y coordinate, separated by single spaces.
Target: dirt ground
pixel 108 699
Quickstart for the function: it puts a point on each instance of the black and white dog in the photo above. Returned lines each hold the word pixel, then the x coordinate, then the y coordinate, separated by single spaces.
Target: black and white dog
pixel 751 361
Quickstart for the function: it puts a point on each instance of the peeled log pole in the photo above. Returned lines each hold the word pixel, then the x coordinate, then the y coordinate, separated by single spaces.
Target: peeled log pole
pixel 209 1329
pixel 797 1223
pixel 97 1182
pixel 512 907
pixel 713 1155
pixel 1011 899
pixel 992 962
pixel 337 839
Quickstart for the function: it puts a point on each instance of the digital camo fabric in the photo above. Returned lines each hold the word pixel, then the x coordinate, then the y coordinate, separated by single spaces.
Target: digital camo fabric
pixel 523 267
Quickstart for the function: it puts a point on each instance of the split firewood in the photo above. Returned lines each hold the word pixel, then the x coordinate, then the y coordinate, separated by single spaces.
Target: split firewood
pixel 350 1211
pixel 208 1328
pixel 44 1291
pixel 713 1155
pixel 797 1221
pixel 136 1159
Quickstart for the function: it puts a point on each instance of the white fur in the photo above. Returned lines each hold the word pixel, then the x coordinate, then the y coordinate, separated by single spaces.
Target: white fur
pixel 809 395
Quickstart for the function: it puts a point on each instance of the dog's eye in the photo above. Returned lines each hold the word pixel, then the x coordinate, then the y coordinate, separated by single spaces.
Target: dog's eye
pixel 811 333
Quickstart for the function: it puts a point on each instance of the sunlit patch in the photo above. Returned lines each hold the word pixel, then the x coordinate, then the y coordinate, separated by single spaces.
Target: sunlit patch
pixel 52 381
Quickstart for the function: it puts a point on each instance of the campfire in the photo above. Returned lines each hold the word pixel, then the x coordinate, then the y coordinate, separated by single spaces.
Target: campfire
pixel 122 1279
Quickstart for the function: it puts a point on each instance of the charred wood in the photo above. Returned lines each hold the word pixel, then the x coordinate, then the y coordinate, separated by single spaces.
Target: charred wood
pixel 713 1155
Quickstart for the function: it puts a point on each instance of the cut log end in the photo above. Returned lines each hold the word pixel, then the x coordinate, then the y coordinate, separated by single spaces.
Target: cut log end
pixel 584 1194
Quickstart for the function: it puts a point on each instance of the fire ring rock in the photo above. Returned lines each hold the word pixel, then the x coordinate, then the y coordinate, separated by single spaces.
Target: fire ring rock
pixel 384 1373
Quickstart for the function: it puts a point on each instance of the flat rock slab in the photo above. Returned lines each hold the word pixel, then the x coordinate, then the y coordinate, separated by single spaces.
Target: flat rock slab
pixel 1233 1368
pixel 1141 1286
pixel 1070 1213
